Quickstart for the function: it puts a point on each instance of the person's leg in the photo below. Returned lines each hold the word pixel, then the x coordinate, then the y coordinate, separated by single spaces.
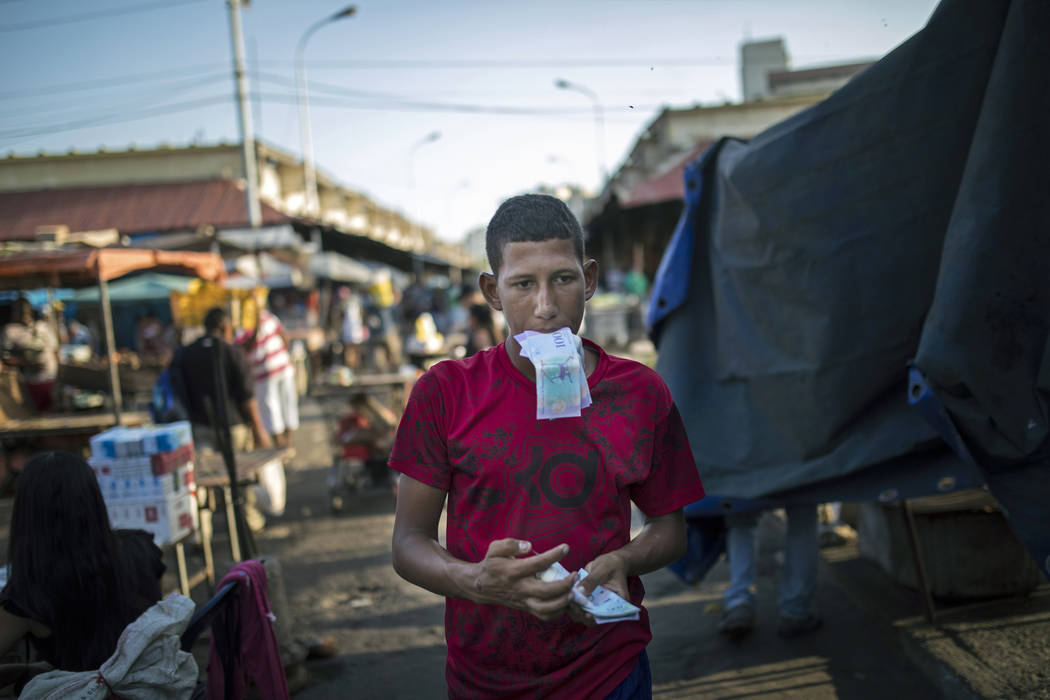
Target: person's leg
pixel 289 397
pixel 738 616
pixel 798 578
pixel 268 398
pixel 740 551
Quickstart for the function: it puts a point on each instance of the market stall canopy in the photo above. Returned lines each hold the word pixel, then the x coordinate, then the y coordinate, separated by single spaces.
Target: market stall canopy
pixel 82 268
pixel 899 225
pixel 339 268
pixel 151 286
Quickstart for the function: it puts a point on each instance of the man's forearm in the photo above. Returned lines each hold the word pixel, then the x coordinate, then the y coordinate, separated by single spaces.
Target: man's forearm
pixel 258 429
pixel 421 560
pixel 661 542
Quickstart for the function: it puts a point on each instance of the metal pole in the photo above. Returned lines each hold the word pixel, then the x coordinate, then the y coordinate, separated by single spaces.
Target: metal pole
pixel 111 347
pixel 241 541
pixel 311 202
pixel 251 177
pixel 917 560
pixel 429 138
pixel 599 125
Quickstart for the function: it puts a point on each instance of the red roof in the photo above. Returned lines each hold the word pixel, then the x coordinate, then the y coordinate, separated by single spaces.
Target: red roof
pixel 136 208
pixel 666 187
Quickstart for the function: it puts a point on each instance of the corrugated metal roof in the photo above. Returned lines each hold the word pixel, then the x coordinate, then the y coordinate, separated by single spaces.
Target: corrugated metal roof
pixel 133 208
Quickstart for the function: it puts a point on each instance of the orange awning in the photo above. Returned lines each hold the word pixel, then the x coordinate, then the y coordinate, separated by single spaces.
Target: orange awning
pixel 82 268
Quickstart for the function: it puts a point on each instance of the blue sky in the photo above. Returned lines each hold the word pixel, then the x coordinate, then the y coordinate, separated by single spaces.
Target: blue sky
pixel 119 72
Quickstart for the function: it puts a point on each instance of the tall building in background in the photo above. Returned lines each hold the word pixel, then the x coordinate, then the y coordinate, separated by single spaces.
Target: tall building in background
pixel 757 60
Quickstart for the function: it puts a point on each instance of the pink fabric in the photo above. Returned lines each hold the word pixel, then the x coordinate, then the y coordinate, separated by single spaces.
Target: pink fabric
pixel 257 657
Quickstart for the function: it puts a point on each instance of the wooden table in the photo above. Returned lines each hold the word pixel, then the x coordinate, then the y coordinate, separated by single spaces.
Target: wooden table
pixel 211 475
pixel 187 582
pixel 68 423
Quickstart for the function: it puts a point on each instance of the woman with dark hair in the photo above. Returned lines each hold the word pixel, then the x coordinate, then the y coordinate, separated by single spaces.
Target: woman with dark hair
pixel 74 583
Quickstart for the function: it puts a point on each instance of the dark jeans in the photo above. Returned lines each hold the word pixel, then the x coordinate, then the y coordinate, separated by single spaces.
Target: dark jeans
pixel 638 685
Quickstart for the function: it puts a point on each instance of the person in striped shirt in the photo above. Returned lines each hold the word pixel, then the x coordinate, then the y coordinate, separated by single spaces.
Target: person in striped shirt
pixel 274 376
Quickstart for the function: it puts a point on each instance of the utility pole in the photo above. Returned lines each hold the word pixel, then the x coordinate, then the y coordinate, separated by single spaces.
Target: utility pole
pixel 251 176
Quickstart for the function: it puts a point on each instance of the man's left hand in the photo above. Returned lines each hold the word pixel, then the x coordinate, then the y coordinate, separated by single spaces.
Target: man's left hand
pixel 609 571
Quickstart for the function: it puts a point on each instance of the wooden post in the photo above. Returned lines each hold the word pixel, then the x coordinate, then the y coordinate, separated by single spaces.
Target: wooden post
pixel 111 347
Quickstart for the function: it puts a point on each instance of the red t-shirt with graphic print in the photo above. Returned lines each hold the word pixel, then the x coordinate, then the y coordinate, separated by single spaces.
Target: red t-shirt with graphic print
pixel 470 428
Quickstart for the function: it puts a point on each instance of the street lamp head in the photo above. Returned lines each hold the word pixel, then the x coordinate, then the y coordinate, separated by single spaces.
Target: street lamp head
pixel 562 84
pixel 433 136
pixel 345 12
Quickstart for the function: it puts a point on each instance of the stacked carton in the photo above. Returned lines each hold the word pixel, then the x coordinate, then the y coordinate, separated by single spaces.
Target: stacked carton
pixel 146 478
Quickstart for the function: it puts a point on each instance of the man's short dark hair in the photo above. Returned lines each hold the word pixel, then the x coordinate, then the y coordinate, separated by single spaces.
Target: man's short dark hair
pixel 214 319
pixel 530 217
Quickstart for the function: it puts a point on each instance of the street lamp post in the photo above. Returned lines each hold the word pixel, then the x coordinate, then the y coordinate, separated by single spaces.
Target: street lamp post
pixel 311 205
pixel 429 138
pixel 599 124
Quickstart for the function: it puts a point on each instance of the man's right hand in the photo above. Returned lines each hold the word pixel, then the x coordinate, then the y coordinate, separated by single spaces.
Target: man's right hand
pixel 501 578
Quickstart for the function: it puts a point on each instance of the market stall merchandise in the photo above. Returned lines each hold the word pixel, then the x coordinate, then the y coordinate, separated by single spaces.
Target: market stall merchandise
pixel 78 268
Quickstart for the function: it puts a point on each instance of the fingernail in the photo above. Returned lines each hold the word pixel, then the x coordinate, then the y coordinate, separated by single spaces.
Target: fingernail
pixel 524 546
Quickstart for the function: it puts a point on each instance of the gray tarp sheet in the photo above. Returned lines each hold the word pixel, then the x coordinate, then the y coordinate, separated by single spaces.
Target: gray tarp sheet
pixel 904 221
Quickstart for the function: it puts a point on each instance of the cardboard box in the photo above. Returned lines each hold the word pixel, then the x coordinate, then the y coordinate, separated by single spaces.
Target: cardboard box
pixel 168 520
pixel 165 462
pixel 145 485
pixel 122 442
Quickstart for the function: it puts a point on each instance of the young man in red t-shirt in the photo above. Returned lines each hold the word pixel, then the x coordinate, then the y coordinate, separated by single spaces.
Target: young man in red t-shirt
pixel 523 493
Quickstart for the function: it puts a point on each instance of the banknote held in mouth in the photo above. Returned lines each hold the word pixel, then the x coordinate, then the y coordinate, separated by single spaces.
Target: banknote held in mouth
pixel 561 380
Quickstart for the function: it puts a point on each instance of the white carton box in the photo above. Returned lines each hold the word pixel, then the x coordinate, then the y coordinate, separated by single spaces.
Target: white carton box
pixel 119 481
pixel 168 520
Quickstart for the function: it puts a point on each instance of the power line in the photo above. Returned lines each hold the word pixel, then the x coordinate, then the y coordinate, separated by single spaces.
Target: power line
pixel 323 90
pixel 19 134
pixel 99 14
pixel 152 95
pixel 121 80
pixel 118 118
pixel 454 64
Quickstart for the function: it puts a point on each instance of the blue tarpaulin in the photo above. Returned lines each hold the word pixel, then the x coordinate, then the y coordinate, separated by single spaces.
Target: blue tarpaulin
pixel 894 238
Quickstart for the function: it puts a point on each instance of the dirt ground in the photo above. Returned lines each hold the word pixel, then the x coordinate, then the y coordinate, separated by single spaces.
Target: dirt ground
pixel 340 582
pixel 875 642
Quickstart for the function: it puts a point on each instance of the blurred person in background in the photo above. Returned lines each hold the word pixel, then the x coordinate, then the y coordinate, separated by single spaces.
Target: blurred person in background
pixel 31 345
pixel 153 340
pixel 273 375
pixel 482 331
pixel 195 368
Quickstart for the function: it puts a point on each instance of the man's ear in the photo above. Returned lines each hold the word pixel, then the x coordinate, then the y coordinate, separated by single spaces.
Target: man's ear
pixel 490 290
pixel 590 277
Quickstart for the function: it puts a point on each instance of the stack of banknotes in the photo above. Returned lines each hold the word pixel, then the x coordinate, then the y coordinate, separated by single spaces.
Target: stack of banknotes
pixel 604 605
pixel 561 380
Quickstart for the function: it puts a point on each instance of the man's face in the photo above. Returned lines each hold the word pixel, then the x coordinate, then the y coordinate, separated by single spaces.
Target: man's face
pixel 541 286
